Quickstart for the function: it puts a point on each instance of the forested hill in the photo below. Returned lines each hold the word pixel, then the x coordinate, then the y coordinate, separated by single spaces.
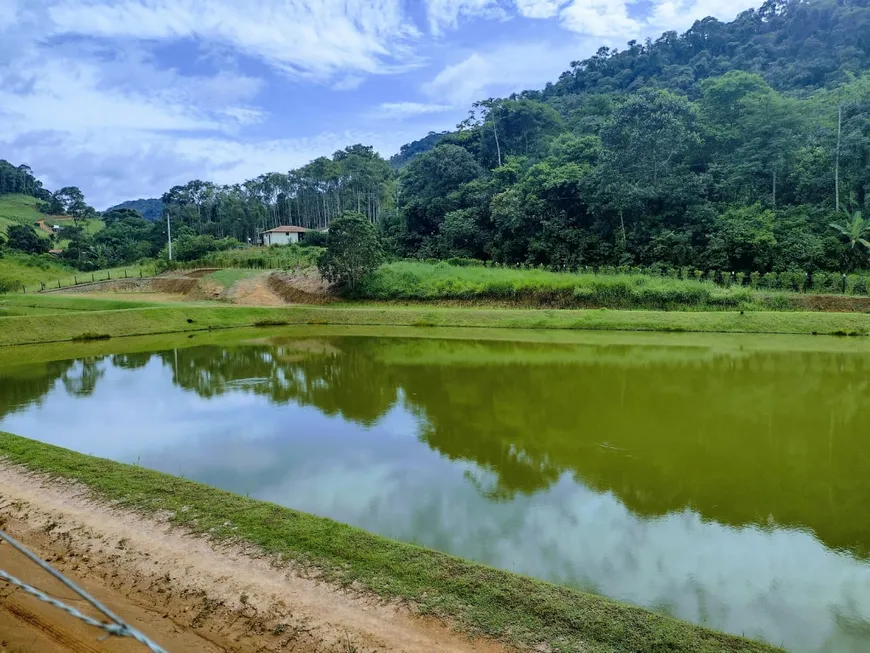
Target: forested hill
pixel 796 46
pixel 801 45
pixel 150 209
pixel 738 146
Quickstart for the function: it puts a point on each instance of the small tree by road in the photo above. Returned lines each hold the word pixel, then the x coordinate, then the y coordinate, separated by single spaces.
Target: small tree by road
pixel 352 251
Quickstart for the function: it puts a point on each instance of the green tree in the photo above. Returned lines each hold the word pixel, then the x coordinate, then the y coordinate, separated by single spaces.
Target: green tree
pixel 352 252
pixel 644 144
pixel 855 229
pixel 25 239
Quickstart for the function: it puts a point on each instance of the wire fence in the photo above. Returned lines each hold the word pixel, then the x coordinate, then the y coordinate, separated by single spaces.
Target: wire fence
pixel 114 627
pixel 78 279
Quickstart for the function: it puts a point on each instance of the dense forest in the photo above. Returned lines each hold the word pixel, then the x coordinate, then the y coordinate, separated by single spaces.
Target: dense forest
pixel 735 146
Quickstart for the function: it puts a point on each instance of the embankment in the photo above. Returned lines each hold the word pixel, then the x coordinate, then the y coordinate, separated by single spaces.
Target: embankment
pixel 261 561
pixel 84 325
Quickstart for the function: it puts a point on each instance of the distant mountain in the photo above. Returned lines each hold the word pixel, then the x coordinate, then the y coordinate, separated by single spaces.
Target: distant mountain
pixel 151 209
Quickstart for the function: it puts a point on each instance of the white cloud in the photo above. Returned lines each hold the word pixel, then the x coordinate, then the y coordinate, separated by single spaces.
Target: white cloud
pixel 405 109
pixel 445 14
pixel 539 8
pixel 349 83
pixel 504 69
pixel 304 38
pixel 681 14
pixel 600 18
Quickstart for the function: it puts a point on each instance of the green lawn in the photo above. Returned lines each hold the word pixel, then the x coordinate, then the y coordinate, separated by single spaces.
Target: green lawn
pixel 72 324
pixel 228 277
pixel 518 610
pixel 17 268
pixel 19 209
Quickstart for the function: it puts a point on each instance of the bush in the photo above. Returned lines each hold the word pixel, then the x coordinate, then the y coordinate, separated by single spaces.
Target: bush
pixel 353 251
pixel 466 262
pixel 314 239
pixel 25 239
pixel 754 280
pixel 189 248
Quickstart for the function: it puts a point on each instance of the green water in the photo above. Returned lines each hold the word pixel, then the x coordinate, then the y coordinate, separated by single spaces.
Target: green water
pixel 724 480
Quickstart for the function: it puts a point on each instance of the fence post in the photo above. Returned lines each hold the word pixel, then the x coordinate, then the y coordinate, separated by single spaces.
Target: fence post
pixel 92 277
pixel 125 273
pixel 108 275
pixel 76 280
pixel 58 283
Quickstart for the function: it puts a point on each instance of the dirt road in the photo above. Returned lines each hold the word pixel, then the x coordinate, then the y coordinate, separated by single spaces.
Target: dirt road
pixel 182 591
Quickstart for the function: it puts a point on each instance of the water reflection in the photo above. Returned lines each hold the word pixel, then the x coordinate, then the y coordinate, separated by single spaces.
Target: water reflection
pixel 727 487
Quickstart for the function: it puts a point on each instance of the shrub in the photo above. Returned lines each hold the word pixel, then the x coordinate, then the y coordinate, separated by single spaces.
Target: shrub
pixel 754 279
pixel 25 239
pixel 353 251
pixel 314 239
pixel 466 262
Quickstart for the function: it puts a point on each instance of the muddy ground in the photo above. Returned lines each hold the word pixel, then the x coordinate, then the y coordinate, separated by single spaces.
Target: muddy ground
pixel 184 592
pixel 264 289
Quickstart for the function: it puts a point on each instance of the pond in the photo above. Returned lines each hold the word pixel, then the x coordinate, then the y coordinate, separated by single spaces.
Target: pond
pixel 721 479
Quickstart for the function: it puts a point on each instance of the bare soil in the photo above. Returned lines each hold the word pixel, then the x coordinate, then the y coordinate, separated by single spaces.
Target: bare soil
pixel 183 591
pixel 833 303
pixel 306 287
pixel 253 291
pixel 44 227
pixel 264 289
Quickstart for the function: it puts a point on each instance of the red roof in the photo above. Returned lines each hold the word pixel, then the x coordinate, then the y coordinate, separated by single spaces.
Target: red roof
pixel 287 230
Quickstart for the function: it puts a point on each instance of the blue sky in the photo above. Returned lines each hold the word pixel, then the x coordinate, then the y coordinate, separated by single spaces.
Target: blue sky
pixel 125 98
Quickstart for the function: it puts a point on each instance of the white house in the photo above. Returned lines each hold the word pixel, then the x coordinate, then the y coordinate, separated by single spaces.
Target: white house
pixel 284 235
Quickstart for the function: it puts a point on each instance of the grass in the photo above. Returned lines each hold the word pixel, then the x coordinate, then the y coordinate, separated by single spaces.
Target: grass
pixel 407 280
pixel 285 257
pixel 77 316
pixel 477 599
pixel 17 268
pixel 226 278
pixel 19 209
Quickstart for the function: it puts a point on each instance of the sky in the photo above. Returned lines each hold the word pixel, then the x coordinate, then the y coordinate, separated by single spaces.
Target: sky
pixel 126 98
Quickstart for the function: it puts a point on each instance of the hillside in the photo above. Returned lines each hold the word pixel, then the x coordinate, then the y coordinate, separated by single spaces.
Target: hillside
pixel 19 209
pixel 150 209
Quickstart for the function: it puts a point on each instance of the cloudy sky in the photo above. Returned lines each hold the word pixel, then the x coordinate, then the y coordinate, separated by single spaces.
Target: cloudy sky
pixel 126 98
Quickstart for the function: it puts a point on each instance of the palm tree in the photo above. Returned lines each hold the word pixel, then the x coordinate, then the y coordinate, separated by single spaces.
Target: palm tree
pixel 856 229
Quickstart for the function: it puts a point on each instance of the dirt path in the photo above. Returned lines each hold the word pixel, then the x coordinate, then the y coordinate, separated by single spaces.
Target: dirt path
pixel 182 591
pixel 253 291
pixel 41 224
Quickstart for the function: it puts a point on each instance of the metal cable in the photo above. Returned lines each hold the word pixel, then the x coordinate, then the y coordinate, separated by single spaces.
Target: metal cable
pixel 118 627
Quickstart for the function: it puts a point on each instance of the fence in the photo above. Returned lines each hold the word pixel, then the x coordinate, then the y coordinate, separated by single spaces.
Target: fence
pixel 79 279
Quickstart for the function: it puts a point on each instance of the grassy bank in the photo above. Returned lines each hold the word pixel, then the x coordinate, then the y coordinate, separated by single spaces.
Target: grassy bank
pixel 425 282
pixel 70 324
pixel 477 599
